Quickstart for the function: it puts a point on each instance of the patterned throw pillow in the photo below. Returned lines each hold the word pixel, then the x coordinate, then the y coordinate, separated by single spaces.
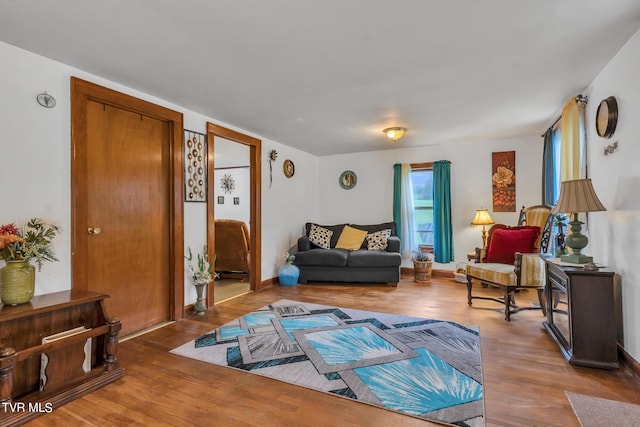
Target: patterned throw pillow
pixel 378 241
pixel 320 236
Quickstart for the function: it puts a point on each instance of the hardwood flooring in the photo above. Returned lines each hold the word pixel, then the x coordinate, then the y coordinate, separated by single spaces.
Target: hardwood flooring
pixel 230 288
pixel 525 375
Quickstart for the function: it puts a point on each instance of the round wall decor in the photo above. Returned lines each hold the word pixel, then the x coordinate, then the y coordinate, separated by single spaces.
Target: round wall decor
pixel 607 117
pixel 348 180
pixel 289 168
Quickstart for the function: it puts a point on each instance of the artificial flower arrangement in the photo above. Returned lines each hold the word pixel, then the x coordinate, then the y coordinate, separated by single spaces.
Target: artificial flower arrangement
pixel 31 241
pixel 420 256
pixel 202 273
pixel 289 258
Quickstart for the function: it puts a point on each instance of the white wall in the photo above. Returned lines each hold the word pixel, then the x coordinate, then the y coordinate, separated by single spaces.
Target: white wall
pixel 614 235
pixel 287 203
pixel 35 173
pixel 242 190
pixel 370 201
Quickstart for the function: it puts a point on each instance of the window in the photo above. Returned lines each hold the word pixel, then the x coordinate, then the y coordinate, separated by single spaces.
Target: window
pixel 422 182
pixel 556 136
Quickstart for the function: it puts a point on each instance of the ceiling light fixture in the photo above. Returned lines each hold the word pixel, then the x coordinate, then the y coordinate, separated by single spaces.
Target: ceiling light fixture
pixel 394 133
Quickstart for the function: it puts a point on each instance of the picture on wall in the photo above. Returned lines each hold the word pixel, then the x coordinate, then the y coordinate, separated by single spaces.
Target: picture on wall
pixel 221 200
pixel 236 200
pixel 195 167
pixel 503 181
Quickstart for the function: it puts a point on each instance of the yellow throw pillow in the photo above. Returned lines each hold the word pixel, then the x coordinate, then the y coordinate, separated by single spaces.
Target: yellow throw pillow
pixel 351 238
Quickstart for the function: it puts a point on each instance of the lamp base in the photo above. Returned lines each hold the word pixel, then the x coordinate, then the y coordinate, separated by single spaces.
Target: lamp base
pixel 576 258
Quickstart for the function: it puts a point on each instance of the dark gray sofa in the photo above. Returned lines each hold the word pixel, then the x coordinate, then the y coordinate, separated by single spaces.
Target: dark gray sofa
pixel 339 265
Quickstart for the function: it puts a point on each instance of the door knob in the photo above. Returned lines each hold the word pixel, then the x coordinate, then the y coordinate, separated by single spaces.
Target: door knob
pixel 94 230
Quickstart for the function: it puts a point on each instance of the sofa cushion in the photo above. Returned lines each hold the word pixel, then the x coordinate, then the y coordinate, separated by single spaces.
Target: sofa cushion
pixel 365 258
pixel 336 229
pixel 351 238
pixel 322 257
pixel 320 236
pixel 505 242
pixel 378 241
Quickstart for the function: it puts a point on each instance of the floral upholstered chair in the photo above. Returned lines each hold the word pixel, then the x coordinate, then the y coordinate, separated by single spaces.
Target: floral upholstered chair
pixel 511 261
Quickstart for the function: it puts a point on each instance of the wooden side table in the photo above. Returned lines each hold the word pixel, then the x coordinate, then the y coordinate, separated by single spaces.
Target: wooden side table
pixel 581 314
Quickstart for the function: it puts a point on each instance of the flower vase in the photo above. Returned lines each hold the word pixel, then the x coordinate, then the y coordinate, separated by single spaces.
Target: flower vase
pixel 200 307
pixel 288 275
pixel 17 282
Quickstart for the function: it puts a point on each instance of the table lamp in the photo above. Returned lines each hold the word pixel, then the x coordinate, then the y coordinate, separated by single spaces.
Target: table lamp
pixel 482 218
pixel 577 196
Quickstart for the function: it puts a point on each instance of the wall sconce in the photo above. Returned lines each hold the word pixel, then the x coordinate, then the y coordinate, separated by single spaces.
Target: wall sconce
pixel 483 218
pixel 394 133
pixel 611 148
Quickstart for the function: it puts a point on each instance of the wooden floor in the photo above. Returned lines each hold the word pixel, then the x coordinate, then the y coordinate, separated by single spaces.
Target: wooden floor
pixel 525 375
pixel 230 288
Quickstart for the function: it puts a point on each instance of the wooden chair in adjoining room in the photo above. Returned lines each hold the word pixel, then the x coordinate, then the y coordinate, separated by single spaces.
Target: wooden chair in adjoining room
pixel 232 248
pixel 511 261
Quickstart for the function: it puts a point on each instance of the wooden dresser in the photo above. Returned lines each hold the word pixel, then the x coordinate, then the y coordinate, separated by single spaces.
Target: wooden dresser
pixel 40 371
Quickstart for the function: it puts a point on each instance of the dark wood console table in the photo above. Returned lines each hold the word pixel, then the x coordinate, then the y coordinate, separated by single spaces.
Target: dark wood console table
pixel 74 365
pixel 581 314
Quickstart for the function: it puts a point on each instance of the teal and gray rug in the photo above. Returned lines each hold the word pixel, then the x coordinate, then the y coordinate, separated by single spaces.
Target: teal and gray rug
pixel 430 369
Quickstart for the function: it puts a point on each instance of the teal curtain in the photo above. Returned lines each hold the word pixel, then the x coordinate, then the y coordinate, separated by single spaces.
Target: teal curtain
pixel 548 170
pixel 442 229
pixel 397 194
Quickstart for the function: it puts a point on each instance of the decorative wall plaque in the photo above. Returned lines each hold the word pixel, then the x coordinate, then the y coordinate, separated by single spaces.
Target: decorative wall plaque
pixel 195 167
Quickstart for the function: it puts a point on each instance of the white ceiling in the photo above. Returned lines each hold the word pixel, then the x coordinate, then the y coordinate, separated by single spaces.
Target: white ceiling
pixel 326 76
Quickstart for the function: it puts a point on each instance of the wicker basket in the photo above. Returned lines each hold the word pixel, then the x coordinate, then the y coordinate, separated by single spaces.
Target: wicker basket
pixel 461 272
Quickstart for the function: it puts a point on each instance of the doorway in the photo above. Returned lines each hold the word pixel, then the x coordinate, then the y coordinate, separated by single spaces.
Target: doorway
pixel 216 133
pixel 126 205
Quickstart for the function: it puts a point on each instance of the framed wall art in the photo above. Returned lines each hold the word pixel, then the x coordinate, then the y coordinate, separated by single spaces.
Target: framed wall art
pixel 503 181
pixel 195 167
pixel 348 180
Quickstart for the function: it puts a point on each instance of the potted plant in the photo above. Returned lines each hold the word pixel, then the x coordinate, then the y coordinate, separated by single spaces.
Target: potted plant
pixel 202 273
pixel 422 262
pixel 18 246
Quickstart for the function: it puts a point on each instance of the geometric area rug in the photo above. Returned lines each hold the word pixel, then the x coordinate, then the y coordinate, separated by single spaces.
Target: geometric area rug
pixel 425 368
pixel 596 412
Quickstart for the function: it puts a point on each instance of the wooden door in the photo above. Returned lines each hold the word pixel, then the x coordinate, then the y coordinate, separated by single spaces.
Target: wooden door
pixel 123 211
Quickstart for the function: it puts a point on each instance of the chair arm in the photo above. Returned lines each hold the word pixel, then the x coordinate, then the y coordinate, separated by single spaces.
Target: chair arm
pixel 393 244
pixel 304 244
pixel 530 270
pixel 480 254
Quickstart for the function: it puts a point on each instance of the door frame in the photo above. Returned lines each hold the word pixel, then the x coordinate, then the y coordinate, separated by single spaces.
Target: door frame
pixel 255 215
pixel 81 93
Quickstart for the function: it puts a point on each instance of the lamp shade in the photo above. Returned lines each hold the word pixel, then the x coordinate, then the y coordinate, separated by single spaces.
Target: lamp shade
pixel 482 218
pixel 576 196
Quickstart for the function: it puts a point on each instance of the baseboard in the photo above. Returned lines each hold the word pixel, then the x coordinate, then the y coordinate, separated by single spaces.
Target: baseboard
pixel 269 282
pixel 434 273
pixel 629 362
